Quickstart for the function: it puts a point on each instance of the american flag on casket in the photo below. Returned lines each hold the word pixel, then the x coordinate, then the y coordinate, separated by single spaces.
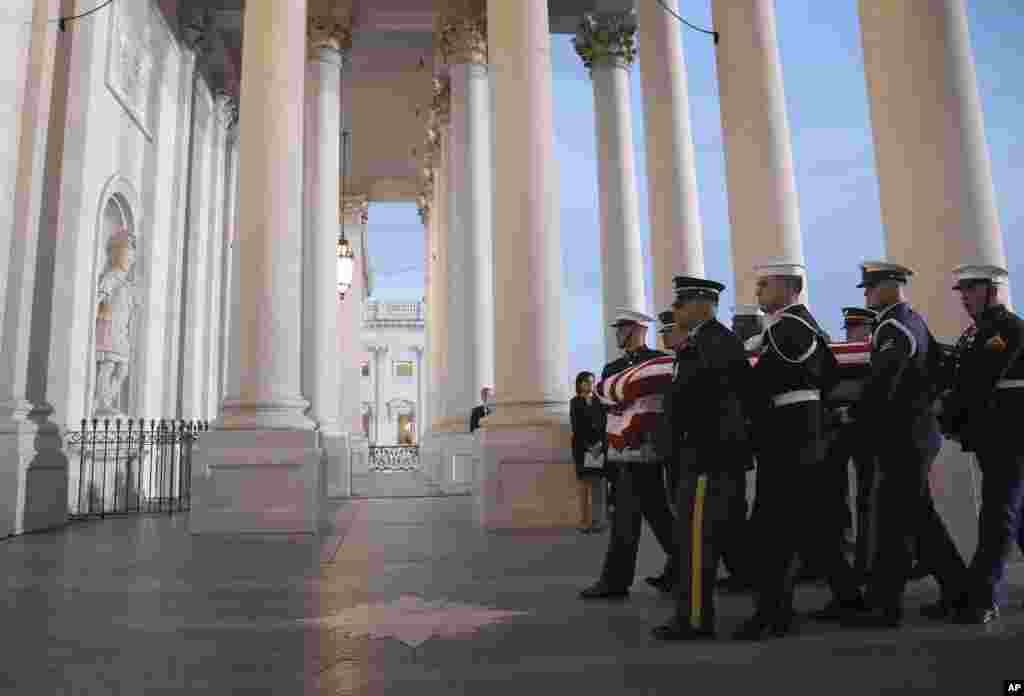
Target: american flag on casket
pixel 854 358
pixel 634 400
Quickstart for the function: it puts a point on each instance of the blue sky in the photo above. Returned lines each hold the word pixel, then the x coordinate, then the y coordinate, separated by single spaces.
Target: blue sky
pixel 832 149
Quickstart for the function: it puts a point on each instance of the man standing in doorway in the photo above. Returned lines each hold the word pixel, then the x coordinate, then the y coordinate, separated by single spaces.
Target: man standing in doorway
pixel 481 411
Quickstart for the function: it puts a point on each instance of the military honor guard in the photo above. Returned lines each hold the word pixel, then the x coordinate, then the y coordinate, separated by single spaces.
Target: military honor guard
pixel 895 414
pixel 640 487
pixel 712 451
pixel 982 409
pixel 794 369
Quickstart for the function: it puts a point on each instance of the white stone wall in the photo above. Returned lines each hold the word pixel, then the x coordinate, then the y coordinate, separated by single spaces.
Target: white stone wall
pixel 397 326
pixel 125 105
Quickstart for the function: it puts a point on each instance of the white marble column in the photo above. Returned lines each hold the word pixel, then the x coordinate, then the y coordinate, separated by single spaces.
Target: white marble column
pixel 259 468
pixel 350 346
pixel 463 44
pixel 763 212
pixel 935 185
pixel 526 477
pixel 380 353
pixel 420 386
pixel 677 239
pixel 33 466
pixel 424 202
pixel 605 42
pixel 230 285
pixel 935 178
pixel 439 279
pixel 328 45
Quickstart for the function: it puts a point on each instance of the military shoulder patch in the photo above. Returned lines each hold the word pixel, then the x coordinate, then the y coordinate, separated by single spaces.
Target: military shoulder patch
pixel 997 343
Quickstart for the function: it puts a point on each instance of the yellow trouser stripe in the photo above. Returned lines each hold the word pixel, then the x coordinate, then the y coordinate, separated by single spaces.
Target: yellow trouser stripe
pixel 696 552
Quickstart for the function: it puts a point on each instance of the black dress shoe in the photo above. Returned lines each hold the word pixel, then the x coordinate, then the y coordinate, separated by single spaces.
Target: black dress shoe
pixel 942 610
pixel 976 616
pixel 877 617
pixel 764 627
pixel 837 610
pixel 602 591
pixel 675 630
pixel 660 582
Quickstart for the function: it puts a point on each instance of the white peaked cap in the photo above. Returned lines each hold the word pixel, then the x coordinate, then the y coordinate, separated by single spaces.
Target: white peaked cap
pixel 993 274
pixel 779 267
pixel 623 315
pixel 747 310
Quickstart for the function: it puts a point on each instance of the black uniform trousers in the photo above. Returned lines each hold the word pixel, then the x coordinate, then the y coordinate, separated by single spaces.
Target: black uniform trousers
pixel 639 494
pixel 791 514
pixel 845 446
pixel 704 530
pixel 907 518
pixel 999 525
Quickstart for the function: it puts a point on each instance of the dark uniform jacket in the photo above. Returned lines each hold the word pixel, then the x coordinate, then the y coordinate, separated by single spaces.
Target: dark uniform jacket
pixel 705 408
pixel 628 360
pixel 794 357
pixel 476 414
pixel 905 363
pixel 988 353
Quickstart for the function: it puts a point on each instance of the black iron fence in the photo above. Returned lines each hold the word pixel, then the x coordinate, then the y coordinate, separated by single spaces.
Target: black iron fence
pixel 133 466
pixel 394 457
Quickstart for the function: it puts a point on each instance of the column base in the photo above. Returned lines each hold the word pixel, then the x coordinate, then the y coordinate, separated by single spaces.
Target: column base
pixel 526 478
pixel 257 481
pixel 451 460
pixel 33 478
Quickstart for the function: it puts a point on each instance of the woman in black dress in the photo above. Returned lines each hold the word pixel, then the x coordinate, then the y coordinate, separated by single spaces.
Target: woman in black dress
pixel 588 447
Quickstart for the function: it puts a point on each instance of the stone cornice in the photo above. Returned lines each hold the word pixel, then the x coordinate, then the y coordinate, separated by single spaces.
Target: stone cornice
pixel 606 38
pixel 327 33
pixel 356 205
pixel 462 38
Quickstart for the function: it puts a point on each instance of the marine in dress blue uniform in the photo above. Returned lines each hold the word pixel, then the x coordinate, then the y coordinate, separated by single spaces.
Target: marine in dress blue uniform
pixel 895 414
pixel 983 410
pixel 712 452
pixel 640 491
pixel 794 369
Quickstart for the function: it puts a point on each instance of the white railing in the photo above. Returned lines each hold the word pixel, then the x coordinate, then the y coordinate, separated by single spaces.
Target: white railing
pixel 394 311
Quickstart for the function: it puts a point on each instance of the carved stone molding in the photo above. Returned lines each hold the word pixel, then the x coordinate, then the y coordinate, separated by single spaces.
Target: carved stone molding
pixel 131 64
pixel 327 33
pixel 226 109
pixel 440 104
pixel 606 38
pixel 356 206
pixel 463 38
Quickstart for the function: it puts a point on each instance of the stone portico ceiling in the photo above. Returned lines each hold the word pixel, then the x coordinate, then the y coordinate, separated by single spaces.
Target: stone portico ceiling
pixel 388 78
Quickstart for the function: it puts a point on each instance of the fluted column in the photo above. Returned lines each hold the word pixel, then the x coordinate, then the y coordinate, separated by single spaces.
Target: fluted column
pixel 379 356
pixel 677 243
pixel 328 42
pixel 420 387
pixel 439 278
pixel 463 43
pixel 935 178
pixel 605 42
pixel 526 477
pixel 33 466
pixel 424 205
pixel 260 467
pixel 763 212
pixel 229 344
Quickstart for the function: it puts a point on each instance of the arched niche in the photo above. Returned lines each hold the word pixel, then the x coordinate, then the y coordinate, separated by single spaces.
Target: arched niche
pixel 116 304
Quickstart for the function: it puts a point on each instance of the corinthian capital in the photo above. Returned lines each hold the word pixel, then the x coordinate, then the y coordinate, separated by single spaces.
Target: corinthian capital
pixel 440 104
pixel 462 38
pixel 606 38
pixel 328 34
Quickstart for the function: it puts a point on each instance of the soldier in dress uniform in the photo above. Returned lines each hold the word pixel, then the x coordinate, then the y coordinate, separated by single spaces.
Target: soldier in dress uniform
pixel 671 337
pixel 794 369
pixel 712 452
pixel 895 414
pixel 640 486
pixel 858 323
pixel 982 409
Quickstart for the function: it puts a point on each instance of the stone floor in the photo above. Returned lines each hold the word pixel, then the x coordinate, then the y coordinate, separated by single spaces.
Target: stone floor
pixel 407 596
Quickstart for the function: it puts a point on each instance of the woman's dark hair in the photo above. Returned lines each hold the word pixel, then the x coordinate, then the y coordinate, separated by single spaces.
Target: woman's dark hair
pixel 581 378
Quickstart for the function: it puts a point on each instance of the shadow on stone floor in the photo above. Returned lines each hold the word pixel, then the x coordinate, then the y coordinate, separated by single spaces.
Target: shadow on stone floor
pixel 408 596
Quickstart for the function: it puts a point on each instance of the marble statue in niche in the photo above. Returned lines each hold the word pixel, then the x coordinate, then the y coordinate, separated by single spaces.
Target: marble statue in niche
pixel 115 312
